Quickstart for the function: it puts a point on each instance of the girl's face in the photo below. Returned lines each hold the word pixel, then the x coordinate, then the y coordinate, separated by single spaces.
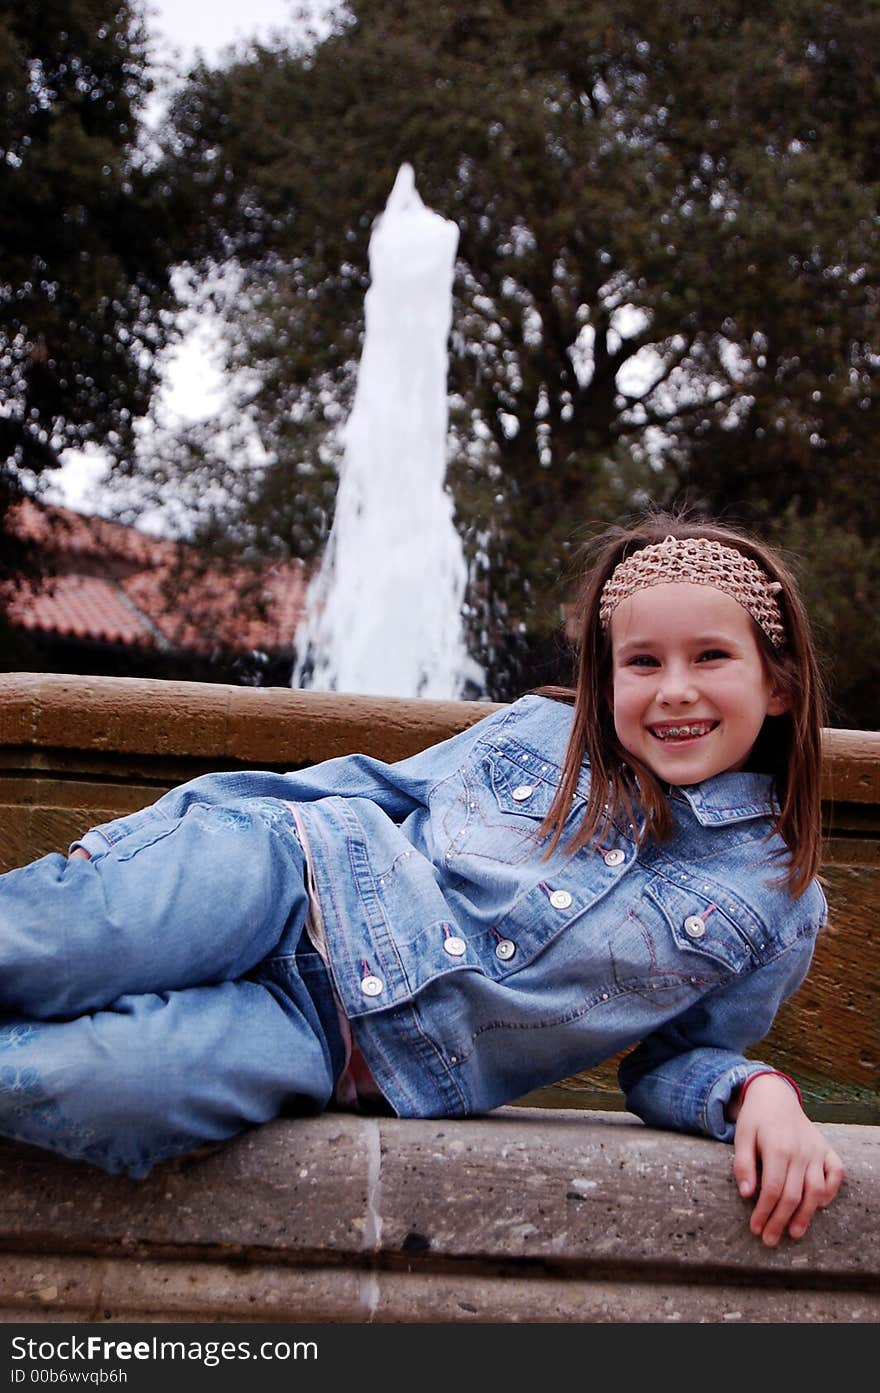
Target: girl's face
pixel 690 689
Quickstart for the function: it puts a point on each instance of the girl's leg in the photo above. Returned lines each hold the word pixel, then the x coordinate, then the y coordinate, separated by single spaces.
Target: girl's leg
pixel 157 1075
pixel 180 903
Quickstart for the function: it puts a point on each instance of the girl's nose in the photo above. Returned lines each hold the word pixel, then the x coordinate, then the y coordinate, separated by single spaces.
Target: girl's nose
pixel 676 687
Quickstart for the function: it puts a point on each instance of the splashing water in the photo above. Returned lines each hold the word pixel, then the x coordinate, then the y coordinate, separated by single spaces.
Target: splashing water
pixel 384 612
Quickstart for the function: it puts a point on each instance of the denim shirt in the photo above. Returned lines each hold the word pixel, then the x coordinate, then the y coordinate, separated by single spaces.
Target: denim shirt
pixel 474 969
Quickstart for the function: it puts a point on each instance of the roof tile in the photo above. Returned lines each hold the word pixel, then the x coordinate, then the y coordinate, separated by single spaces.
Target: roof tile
pixel 161 595
pixel 83 607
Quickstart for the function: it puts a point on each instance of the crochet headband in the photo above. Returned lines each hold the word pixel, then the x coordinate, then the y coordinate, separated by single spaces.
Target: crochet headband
pixel 698 561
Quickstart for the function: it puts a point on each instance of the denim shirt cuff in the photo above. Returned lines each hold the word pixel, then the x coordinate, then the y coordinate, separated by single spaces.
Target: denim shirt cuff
pixel 716 1123
pixel 690 1092
pixel 106 834
pixel 93 841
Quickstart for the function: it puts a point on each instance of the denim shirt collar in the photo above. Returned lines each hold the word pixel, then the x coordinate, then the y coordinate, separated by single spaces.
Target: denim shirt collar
pixel 728 798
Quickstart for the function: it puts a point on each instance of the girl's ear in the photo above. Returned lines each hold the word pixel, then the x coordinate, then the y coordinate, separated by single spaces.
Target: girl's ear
pixel 779 700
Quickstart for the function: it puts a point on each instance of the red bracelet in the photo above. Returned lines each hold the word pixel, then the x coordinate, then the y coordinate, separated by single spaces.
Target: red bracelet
pixel 760 1074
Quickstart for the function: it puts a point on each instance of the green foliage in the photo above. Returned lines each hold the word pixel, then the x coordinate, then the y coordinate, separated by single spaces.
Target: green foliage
pixel 667 278
pixel 86 233
pixel 840 574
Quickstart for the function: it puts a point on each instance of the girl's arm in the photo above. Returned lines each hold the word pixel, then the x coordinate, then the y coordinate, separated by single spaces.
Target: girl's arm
pixel 781 1156
pixel 398 789
pixel 689 1074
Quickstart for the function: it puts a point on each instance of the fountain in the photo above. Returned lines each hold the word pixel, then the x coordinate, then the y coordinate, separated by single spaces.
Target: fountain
pixel 384 611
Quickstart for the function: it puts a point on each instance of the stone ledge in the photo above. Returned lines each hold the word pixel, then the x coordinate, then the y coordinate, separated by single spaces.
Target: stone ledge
pixel 525 1215
pixel 265 726
pixel 277 727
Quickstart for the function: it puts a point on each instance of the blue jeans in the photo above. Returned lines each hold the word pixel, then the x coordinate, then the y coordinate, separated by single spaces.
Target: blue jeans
pixel 163 995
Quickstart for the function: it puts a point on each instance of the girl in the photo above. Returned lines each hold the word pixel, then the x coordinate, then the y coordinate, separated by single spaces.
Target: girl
pixel 579 872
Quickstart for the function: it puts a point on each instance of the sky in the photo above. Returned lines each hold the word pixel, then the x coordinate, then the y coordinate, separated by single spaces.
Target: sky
pixel 182 30
pixel 210 26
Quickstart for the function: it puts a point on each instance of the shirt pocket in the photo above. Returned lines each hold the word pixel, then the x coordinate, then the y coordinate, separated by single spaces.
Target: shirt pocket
pixel 688 933
pixel 498 808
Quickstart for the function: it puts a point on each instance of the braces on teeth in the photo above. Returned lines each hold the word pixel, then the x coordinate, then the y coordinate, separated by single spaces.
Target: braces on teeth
pixel 702 729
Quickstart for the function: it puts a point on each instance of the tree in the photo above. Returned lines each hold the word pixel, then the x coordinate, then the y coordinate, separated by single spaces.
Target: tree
pixel 667 279
pixel 87 236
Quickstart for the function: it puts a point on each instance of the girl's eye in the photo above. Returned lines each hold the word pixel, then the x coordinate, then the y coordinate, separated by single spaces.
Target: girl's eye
pixel 642 660
pixel 712 654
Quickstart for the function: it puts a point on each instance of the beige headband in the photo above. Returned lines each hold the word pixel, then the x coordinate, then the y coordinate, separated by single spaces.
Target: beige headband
pixel 698 561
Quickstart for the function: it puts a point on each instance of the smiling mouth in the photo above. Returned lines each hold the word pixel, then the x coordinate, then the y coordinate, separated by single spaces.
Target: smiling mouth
pixel 692 730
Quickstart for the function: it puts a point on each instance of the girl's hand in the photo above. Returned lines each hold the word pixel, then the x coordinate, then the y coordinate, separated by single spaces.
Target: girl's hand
pixel 81 852
pixel 799 1171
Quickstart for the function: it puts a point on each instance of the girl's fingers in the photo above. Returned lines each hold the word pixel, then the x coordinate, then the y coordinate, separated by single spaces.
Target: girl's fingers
pixel 745 1161
pixel 834 1172
pixel 782 1190
pixel 814 1192
pixel 790 1194
pixel 772 1181
pixel 821 1184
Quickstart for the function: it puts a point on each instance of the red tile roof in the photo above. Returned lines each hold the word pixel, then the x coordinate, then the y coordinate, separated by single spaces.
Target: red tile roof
pixel 83 607
pixel 148 592
pixel 56 529
pixel 202 613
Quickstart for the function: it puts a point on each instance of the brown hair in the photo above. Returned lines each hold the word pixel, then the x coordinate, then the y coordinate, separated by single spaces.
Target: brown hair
pixel 788 746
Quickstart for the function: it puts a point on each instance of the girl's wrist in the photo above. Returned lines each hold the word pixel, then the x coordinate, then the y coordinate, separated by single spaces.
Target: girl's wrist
pixel 769 1073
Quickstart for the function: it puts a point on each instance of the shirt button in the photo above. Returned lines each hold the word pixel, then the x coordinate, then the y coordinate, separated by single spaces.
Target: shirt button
pixel 615 857
pixel 505 950
pixel 522 792
pixel 694 926
pixel 372 986
pixel 560 899
pixel 454 946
